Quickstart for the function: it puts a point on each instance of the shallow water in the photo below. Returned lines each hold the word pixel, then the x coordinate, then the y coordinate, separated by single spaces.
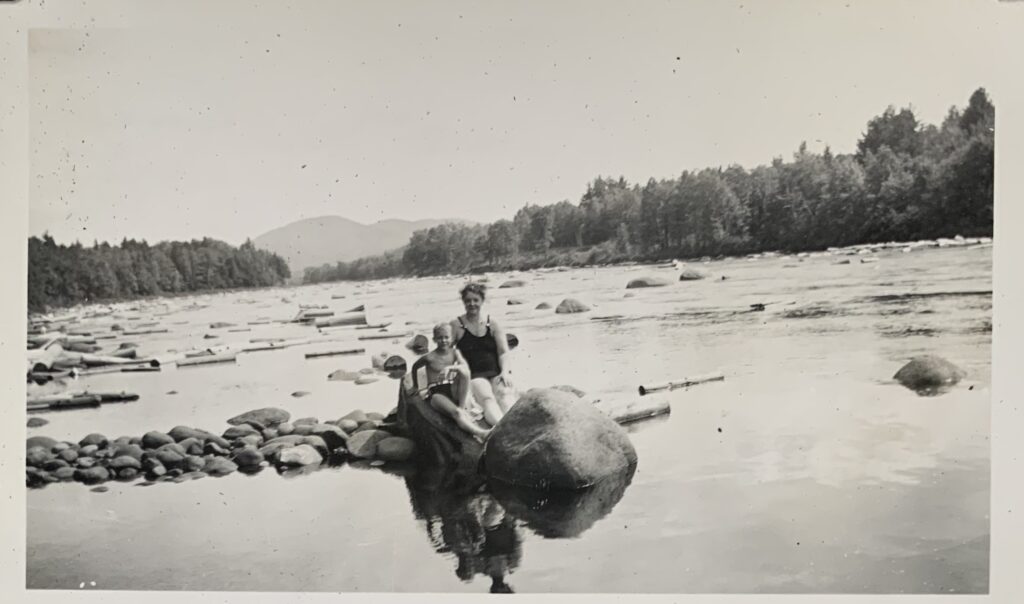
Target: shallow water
pixel 806 470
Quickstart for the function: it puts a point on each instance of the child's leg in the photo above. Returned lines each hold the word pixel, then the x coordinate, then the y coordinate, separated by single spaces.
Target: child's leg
pixel 484 395
pixel 460 387
pixel 444 405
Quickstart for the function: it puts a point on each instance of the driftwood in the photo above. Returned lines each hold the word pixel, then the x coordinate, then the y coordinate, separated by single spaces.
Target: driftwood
pixel 144 332
pixel 385 336
pixel 227 357
pixel 333 353
pixel 631 411
pixel 355 318
pixel 681 383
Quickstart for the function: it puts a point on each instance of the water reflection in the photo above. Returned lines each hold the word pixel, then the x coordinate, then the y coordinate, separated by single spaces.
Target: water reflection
pixel 463 520
pixel 479 523
pixel 563 514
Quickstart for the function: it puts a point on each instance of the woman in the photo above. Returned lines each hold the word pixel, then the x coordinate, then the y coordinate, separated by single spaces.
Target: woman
pixel 482 343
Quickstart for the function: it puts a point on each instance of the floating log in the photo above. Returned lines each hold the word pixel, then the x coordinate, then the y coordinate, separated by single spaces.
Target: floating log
pixel 337 296
pixel 377 326
pixel 357 318
pixel 385 336
pixel 265 340
pixel 42 377
pixel 360 308
pixel 266 322
pixel 307 315
pixel 144 332
pixel 333 353
pixel 140 369
pixel 208 359
pixel 624 413
pixel 64 402
pixel 239 329
pixel 683 383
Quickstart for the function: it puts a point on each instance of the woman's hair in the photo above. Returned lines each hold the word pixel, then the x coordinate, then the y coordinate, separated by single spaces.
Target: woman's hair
pixel 474 288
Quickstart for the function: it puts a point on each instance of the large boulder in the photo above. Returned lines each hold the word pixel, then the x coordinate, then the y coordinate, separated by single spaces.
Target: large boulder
pixel 551 439
pixel 690 274
pixel 267 416
pixel 571 305
pixel 929 374
pixel 512 283
pixel 646 282
pixel 36 422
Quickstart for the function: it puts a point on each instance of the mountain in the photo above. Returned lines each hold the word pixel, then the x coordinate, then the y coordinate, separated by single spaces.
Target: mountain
pixel 329 239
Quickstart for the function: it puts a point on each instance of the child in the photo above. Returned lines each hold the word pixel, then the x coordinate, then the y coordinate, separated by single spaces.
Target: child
pixel 447 381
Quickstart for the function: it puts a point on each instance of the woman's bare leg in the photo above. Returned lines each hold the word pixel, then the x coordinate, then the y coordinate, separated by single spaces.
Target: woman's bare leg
pixel 445 405
pixel 484 395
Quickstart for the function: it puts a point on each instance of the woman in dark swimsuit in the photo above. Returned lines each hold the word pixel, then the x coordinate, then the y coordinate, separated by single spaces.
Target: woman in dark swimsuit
pixel 483 344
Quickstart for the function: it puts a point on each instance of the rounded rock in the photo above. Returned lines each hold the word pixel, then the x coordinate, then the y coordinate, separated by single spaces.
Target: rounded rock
pixel 94 439
pixel 363 444
pixel 571 305
pixel 553 439
pixel 154 439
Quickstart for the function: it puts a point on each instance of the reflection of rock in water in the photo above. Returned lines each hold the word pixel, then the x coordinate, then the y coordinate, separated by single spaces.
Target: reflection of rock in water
pixel 467 523
pixel 560 514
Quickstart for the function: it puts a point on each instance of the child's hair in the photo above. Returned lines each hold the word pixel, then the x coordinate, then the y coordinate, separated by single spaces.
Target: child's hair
pixel 442 327
pixel 474 287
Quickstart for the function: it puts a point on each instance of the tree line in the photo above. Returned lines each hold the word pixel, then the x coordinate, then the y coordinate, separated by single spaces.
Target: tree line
pixel 905 181
pixel 63 275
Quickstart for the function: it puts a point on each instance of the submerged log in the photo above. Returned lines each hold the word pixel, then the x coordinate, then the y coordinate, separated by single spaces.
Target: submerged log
pixel 64 402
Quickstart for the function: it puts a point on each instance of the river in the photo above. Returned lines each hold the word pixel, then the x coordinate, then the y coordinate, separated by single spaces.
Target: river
pixel 808 469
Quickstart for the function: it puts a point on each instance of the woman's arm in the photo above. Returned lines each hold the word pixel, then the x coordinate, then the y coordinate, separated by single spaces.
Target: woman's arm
pixel 502 343
pixel 459 359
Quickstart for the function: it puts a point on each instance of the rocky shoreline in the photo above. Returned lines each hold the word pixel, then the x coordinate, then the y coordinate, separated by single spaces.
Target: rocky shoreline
pixel 254 440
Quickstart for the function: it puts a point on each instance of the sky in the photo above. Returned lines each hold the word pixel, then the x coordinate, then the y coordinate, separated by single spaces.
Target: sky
pixel 228 119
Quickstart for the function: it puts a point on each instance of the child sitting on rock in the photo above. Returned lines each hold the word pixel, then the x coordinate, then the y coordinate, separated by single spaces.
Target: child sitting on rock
pixel 448 378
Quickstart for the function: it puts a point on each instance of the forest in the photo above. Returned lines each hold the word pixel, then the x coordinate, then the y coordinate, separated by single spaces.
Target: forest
pixel 905 181
pixel 63 275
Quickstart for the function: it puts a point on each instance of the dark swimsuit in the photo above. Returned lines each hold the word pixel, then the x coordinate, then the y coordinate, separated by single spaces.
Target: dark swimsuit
pixel 480 352
pixel 442 387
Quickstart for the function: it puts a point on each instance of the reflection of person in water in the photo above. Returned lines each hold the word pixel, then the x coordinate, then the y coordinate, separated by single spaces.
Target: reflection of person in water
pixel 483 538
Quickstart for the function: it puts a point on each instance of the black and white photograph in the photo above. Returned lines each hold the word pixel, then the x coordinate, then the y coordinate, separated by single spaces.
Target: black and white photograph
pixel 508 298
